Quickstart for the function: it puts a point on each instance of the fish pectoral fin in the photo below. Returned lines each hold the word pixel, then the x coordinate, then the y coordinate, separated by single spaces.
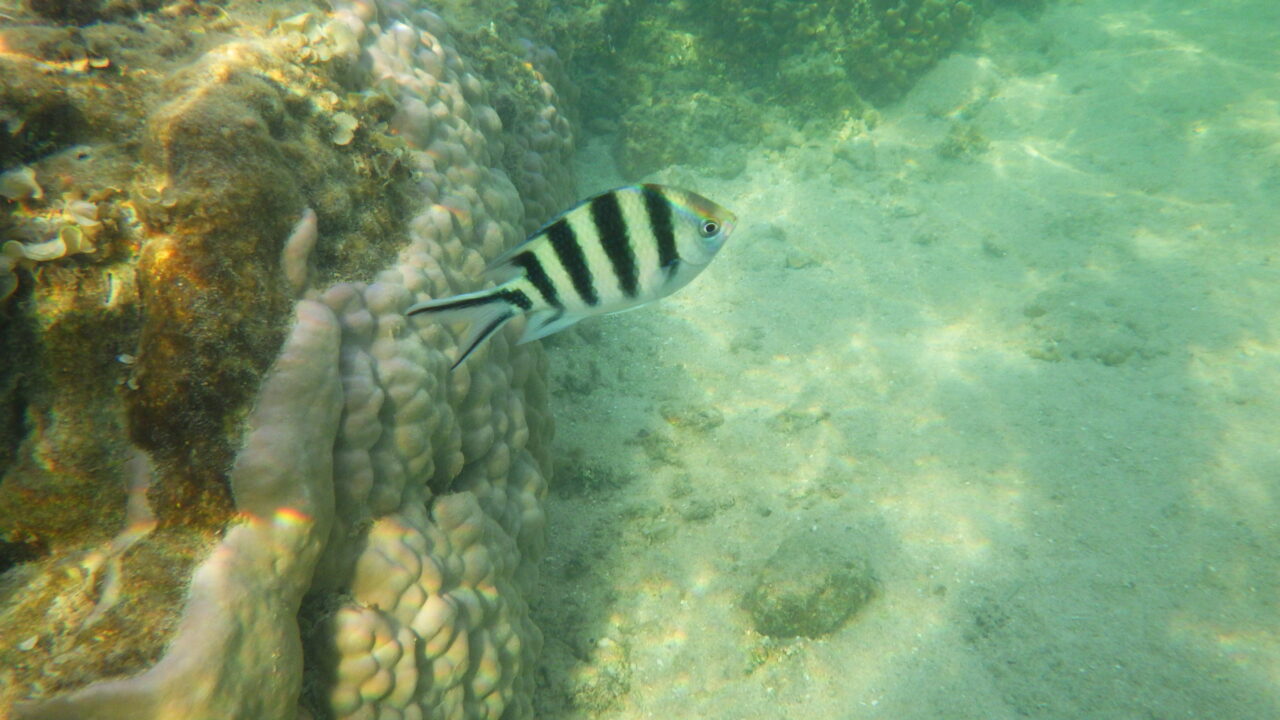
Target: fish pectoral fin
pixel 547 323
pixel 679 273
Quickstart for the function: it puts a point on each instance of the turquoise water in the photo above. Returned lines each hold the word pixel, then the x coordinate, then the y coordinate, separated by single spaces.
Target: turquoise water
pixel 974 415
pixel 1014 347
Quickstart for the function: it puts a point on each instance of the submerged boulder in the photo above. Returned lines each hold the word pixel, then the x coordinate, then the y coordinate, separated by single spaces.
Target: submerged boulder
pixel 811 586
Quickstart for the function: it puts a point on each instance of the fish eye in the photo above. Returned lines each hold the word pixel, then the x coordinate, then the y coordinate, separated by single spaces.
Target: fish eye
pixel 709 228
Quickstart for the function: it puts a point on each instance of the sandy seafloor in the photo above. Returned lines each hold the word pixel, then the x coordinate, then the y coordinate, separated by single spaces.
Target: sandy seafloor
pixel 1036 386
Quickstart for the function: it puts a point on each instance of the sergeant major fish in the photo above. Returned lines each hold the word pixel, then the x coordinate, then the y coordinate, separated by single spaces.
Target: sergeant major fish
pixel 611 252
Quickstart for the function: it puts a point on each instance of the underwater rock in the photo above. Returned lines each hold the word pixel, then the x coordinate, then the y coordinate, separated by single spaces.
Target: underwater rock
pixel 691 416
pixel 1089 319
pixel 964 141
pixel 809 587
pixel 858 151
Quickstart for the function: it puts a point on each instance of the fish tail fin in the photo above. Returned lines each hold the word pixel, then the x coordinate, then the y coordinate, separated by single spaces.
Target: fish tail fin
pixel 484 311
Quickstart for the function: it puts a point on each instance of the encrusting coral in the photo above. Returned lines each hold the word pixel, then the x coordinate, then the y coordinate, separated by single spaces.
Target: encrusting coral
pixel 351 524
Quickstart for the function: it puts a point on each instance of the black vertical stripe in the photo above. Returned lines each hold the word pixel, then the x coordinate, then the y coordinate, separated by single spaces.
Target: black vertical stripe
pixel 612 230
pixel 538 276
pixel 517 298
pixel 660 221
pixel 565 243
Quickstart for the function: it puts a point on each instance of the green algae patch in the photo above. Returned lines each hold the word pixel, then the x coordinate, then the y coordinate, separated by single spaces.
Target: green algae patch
pixel 809 587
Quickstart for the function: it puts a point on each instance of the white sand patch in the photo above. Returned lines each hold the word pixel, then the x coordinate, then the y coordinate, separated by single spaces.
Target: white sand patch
pixel 1035 379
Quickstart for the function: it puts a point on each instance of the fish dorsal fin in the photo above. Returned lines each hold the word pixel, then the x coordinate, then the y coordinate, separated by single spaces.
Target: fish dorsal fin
pixel 500 268
pixel 501 265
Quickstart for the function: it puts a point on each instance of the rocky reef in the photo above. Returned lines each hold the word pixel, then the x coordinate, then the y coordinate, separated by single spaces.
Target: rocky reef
pixel 235 481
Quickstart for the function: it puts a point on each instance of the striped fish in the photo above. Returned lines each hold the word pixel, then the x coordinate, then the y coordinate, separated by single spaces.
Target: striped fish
pixel 611 252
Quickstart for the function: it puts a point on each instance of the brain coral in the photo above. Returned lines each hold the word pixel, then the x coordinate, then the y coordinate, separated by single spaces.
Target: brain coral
pixel 366 553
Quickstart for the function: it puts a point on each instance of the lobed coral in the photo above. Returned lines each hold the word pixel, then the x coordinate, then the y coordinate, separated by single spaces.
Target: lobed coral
pixel 352 519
